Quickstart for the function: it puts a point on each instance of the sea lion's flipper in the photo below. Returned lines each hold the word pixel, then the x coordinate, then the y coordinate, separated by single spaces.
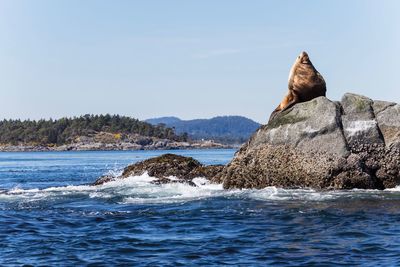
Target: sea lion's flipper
pixel 295 99
pixel 290 99
pixel 273 114
pixel 285 100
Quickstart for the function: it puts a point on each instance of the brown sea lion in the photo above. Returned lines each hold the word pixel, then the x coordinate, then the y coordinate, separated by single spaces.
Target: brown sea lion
pixel 305 83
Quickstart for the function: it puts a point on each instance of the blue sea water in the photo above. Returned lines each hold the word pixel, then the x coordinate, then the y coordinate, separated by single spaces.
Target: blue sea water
pixel 50 215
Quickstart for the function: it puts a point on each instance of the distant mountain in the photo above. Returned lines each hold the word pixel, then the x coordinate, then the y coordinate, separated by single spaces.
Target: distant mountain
pixel 163 120
pixel 223 129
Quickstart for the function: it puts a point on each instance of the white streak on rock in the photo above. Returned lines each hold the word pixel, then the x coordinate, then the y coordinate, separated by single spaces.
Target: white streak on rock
pixel 310 130
pixel 359 126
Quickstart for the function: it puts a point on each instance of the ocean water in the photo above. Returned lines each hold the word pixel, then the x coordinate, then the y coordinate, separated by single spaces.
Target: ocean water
pixel 50 215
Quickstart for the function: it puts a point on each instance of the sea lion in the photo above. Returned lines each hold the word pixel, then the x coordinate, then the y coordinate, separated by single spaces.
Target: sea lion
pixel 305 83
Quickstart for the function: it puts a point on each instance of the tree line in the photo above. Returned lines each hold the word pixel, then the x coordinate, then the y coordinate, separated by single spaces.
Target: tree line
pixel 65 130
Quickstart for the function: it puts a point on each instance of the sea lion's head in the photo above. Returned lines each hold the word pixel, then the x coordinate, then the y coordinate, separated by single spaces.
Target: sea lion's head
pixel 303 58
pixel 302 62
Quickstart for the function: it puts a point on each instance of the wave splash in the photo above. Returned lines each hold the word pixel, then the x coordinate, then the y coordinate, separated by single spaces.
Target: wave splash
pixel 135 189
pixel 141 190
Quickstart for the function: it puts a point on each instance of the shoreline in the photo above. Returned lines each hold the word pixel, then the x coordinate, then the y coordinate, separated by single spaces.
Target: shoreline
pixel 115 147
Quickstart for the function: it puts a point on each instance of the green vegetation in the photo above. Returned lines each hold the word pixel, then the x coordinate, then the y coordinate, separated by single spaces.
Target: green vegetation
pixel 361 104
pixel 65 130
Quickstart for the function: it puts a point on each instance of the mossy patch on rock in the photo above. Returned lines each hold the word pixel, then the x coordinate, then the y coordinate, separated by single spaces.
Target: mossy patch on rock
pixel 283 119
pixel 360 105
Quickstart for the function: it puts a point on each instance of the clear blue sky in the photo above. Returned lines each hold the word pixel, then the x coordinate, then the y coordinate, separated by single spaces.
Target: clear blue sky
pixel 192 59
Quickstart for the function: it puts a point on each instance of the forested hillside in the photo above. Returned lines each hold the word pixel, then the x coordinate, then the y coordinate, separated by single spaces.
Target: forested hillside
pixel 64 130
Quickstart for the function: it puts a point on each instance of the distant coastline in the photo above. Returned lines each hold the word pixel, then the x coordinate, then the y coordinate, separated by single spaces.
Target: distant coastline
pixel 161 144
pixel 114 132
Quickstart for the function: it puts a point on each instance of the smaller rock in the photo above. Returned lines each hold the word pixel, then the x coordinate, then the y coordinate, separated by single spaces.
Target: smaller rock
pixel 104 179
pixel 169 168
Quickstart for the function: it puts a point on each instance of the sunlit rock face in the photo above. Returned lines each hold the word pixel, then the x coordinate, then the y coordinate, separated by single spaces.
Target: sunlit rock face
pixel 354 143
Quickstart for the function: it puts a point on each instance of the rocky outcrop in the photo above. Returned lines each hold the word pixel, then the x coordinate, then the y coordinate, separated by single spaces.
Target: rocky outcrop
pixel 168 168
pixel 322 144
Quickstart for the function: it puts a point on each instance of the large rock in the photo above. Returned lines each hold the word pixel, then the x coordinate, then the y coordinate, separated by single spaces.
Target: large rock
pixel 310 126
pixel 324 145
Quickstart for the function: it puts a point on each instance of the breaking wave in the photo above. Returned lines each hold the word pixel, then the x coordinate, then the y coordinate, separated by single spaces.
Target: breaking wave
pixel 141 190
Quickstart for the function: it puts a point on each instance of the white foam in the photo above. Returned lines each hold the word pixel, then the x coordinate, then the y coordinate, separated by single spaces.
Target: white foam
pixel 140 189
pixel 174 192
pixel 394 189
pixel 273 193
pixel 131 190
